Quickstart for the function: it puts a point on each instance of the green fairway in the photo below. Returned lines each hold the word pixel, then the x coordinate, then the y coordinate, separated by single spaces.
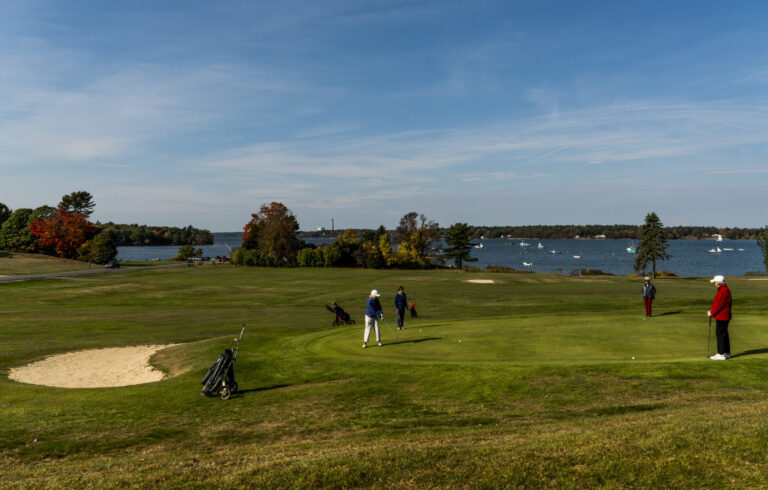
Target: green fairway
pixel 546 339
pixel 526 382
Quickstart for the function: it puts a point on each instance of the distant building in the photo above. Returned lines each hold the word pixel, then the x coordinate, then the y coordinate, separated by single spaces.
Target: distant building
pixel 599 236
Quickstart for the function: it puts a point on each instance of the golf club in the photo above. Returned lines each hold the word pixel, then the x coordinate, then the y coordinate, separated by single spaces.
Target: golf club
pixel 709 336
pixel 389 327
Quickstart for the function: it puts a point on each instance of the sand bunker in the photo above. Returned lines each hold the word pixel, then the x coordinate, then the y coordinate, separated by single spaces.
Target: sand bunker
pixel 482 281
pixel 97 368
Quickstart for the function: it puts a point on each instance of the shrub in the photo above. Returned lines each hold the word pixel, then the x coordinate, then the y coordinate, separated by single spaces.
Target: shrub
pixel 665 274
pixel 596 272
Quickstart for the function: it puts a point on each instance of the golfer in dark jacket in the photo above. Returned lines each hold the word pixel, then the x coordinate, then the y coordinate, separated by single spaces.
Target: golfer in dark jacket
pixel 401 304
pixel 649 292
pixel 721 312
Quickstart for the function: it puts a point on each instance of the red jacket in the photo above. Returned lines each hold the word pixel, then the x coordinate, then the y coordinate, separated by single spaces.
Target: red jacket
pixel 721 306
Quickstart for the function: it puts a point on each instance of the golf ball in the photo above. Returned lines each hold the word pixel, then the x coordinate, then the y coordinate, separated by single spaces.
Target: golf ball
pixel 459 341
pixel 633 358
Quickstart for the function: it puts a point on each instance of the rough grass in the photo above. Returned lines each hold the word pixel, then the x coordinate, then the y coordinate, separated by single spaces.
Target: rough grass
pixel 541 392
pixel 14 264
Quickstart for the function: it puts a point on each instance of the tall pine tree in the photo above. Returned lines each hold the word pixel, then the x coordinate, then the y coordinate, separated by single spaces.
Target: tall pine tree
pixel 457 238
pixel 762 242
pixel 653 244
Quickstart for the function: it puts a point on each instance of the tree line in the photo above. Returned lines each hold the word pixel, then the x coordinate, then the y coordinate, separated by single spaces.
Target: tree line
pixel 156 235
pixel 618 231
pixel 65 231
pixel 270 238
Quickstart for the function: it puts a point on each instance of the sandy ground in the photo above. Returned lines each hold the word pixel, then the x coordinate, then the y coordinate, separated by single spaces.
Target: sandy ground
pixel 481 281
pixel 97 368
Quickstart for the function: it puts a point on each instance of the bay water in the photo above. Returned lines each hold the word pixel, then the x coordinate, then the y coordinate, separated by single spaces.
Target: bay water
pixel 689 257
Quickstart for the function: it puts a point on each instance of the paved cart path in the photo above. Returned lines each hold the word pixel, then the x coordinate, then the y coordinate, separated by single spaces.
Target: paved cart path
pixel 86 272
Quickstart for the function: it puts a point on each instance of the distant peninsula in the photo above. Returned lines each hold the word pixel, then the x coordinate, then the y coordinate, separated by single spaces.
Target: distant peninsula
pixel 125 235
pixel 614 232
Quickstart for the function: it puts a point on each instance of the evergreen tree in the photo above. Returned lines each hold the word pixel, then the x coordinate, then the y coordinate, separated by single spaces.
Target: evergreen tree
pixel 5 213
pixel 762 242
pixel 80 202
pixel 653 244
pixel 458 238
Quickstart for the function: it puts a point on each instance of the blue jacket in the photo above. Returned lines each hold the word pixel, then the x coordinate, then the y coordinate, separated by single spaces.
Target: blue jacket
pixel 373 308
pixel 401 302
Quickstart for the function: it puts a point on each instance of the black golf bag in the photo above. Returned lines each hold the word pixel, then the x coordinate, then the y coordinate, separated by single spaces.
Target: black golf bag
pixel 342 317
pixel 220 378
pixel 413 311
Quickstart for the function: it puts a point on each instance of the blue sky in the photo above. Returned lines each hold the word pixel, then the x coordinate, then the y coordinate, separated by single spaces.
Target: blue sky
pixel 487 112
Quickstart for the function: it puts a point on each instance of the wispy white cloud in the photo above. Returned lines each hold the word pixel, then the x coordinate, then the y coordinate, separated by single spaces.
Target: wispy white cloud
pixel 613 135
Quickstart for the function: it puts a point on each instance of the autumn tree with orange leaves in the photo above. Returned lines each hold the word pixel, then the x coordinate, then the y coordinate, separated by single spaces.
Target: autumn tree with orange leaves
pixel 272 231
pixel 63 232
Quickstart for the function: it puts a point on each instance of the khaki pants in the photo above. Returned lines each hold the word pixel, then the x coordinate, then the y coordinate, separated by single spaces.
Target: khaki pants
pixel 371 321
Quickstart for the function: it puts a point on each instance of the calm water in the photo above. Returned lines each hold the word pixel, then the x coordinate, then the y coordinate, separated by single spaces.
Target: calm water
pixel 689 257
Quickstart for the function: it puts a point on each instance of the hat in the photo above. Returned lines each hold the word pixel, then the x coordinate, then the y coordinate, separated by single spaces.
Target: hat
pixel 646 278
pixel 718 279
pixel 375 293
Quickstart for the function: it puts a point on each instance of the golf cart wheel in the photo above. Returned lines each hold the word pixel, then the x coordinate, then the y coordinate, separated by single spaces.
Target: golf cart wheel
pixel 225 393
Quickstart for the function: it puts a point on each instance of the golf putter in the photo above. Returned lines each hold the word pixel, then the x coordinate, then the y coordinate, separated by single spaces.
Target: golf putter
pixel 709 335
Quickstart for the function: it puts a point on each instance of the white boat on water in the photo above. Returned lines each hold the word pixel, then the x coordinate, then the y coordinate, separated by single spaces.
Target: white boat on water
pixel 577 256
pixel 715 250
pixel 524 244
pixel 553 252
pixel 528 264
pixel 631 248
pixel 479 245
pixel 727 249
pixel 540 246
pixel 741 250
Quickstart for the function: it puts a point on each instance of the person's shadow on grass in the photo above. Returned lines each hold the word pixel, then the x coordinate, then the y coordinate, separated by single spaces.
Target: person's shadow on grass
pixel 751 352
pixel 667 313
pixel 413 341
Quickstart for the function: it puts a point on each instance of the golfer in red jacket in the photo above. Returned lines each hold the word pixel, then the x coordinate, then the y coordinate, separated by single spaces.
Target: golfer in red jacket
pixel 721 312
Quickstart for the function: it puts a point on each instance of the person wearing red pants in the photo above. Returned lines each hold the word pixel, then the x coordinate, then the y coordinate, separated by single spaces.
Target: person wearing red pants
pixel 649 292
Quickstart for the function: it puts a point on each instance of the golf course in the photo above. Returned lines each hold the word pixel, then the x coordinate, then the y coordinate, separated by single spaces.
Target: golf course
pixel 531 380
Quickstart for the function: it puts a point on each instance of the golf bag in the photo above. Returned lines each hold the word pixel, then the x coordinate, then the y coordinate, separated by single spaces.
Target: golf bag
pixel 220 378
pixel 413 311
pixel 342 317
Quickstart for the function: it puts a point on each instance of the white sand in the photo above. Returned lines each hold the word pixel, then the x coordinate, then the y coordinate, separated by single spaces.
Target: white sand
pixel 481 281
pixel 97 368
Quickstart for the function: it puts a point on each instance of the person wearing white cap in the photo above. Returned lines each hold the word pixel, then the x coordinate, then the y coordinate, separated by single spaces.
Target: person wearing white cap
pixel 721 312
pixel 649 292
pixel 373 312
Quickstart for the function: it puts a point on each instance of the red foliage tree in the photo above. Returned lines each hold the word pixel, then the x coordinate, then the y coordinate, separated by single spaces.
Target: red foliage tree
pixel 273 231
pixel 63 232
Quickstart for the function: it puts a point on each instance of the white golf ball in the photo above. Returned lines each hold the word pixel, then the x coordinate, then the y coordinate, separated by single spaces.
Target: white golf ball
pixel 459 341
pixel 633 358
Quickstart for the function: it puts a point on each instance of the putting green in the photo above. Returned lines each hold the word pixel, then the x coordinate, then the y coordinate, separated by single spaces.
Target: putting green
pixel 548 339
